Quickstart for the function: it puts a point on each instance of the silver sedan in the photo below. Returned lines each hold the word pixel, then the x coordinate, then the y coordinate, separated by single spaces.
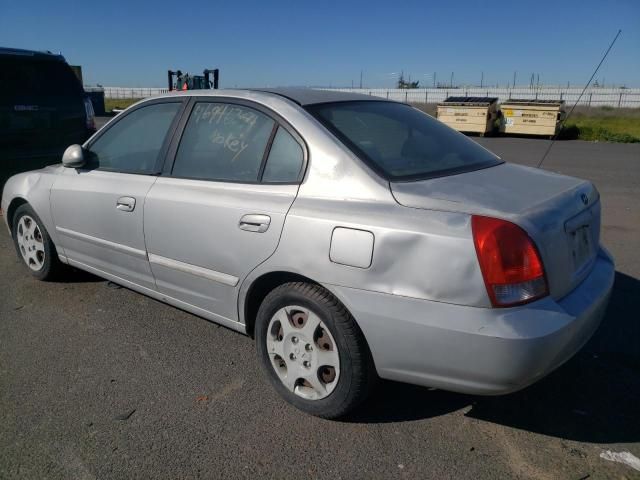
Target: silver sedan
pixel 354 238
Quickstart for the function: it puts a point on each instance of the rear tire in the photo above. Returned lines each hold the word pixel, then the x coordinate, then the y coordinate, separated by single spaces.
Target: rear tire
pixel 34 246
pixel 312 350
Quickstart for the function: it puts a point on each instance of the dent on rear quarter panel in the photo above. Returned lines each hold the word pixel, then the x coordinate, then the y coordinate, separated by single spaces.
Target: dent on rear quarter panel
pixel 421 254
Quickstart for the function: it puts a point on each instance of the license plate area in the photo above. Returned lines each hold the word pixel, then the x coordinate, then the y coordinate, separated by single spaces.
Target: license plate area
pixel 581 239
pixel 581 246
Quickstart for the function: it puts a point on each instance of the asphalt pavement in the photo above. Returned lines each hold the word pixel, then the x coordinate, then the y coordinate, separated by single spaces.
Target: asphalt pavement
pixel 97 381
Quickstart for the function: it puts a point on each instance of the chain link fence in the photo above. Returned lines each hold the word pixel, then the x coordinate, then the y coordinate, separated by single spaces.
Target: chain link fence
pixel 594 97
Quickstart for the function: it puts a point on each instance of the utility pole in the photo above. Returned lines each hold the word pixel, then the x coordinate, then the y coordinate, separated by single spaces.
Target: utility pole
pixel 514 79
pixel 434 79
pixel 451 82
pixel 481 78
pixel 360 78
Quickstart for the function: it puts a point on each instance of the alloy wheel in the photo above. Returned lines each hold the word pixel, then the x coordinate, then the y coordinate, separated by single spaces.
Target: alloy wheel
pixel 30 243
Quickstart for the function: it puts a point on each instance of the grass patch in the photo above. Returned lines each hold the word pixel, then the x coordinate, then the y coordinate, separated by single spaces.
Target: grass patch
pixel 604 125
pixel 120 103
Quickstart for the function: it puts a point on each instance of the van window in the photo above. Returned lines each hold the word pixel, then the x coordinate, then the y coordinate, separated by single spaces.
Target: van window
pixel 25 80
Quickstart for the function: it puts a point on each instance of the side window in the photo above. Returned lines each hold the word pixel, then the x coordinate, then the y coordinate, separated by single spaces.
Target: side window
pixel 223 142
pixel 285 159
pixel 134 142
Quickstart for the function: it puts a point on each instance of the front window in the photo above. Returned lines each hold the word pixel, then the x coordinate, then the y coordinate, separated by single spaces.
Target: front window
pixel 400 142
pixel 133 144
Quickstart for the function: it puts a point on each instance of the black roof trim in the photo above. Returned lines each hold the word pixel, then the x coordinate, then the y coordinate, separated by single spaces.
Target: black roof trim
pixel 312 96
pixel 273 91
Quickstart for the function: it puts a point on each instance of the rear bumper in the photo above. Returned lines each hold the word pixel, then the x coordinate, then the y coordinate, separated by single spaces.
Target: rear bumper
pixel 478 350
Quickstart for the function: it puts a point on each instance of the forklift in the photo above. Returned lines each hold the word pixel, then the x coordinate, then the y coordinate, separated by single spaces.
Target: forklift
pixel 184 81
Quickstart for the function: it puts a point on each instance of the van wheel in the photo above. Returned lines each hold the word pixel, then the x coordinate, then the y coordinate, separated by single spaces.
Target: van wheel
pixel 313 351
pixel 33 244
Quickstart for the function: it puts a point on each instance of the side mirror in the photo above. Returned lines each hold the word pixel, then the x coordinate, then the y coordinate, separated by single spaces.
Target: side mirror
pixel 73 157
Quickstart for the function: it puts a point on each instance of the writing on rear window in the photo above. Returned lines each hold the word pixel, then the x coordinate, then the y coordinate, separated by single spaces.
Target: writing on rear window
pixel 223 142
pixel 238 123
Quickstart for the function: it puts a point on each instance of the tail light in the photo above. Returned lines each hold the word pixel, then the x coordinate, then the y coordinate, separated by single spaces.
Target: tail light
pixel 90 115
pixel 511 266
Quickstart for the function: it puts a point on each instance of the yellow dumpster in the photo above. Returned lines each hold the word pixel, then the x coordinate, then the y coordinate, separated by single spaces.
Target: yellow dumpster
pixel 532 117
pixel 469 114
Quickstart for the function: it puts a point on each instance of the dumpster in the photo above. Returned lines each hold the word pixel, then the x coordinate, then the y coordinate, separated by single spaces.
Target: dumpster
pixel 469 114
pixel 532 117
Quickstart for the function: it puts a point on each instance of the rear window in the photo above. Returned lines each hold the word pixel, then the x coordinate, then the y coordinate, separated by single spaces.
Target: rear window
pixel 400 142
pixel 24 78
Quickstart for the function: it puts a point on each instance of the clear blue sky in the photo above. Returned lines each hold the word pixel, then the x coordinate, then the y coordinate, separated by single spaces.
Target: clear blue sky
pixel 273 43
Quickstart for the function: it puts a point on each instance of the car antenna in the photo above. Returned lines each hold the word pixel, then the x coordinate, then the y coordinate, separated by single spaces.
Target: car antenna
pixel 555 136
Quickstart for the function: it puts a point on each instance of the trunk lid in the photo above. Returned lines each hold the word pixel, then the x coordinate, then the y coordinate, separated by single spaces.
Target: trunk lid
pixel 560 213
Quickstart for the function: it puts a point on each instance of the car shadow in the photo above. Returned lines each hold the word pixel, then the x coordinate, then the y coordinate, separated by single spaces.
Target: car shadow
pixel 594 397
pixel 74 275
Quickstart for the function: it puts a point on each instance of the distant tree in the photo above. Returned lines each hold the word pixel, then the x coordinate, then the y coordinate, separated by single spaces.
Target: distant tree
pixel 402 83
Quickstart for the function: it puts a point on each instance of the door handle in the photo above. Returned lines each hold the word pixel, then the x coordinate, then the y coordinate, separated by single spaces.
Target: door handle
pixel 126 204
pixel 255 223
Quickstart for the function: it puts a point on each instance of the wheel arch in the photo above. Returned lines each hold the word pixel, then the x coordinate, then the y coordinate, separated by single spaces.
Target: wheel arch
pixel 11 210
pixel 260 288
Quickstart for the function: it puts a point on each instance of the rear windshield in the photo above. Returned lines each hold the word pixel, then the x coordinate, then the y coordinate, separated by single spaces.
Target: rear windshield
pixel 401 142
pixel 25 78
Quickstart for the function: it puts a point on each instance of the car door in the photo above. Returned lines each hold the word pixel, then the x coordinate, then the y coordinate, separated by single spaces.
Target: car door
pixel 98 209
pixel 219 208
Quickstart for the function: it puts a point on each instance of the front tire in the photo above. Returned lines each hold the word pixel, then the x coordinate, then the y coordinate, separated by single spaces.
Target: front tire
pixel 33 244
pixel 312 350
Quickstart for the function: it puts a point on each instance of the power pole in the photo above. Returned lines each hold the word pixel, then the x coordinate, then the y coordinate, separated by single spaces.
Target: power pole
pixel 514 79
pixel 451 82
pixel 434 79
pixel 481 79
pixel 360 78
